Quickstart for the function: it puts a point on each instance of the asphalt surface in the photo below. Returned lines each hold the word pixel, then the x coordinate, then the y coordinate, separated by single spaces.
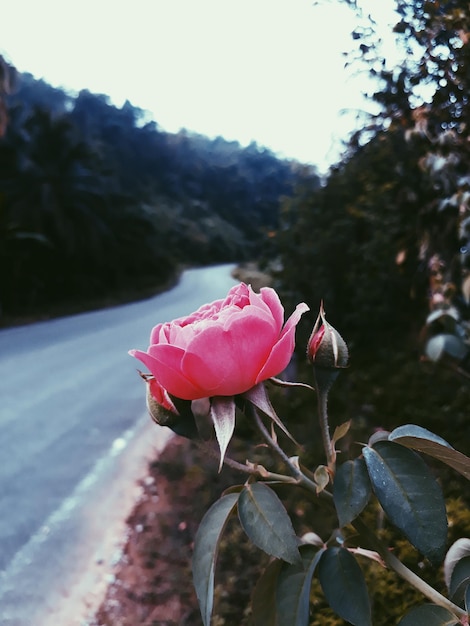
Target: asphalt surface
pixel 73 429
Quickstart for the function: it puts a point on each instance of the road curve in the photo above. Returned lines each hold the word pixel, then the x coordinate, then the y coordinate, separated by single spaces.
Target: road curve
pixel 74 435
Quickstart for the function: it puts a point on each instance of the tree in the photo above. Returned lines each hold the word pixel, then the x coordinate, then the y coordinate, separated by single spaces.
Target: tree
pixel 391 216
pixel 51 190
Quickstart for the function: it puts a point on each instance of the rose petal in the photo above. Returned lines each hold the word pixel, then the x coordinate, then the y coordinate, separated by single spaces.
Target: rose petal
pixel 282 351
pixel 164 362
pixel 146 359
pixel 237 296
pixel 278 360
pixel 230 359
pixel 257 301
pixel 213 362
pixel 270 297
pixel 158 334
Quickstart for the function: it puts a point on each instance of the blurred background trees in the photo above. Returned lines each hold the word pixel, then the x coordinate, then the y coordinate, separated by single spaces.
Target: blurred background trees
pixel 384 240
pixel 96 201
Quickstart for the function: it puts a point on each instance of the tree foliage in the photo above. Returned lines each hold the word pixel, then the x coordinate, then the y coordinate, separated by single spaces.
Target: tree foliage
pixel 96 199
pixel 355 238
pixel 385 238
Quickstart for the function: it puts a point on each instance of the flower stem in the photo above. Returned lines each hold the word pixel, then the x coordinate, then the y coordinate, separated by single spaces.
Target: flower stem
pixel 252 468
pixel 324 379
pixel 257 470
pixel 295 471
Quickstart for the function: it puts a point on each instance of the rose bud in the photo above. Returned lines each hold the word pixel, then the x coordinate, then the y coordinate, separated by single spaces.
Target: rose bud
pixel 326 348
pixel 162 409
pixel 159 404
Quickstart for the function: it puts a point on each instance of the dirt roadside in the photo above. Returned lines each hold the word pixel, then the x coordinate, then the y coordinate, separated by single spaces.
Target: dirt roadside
pixel 152 584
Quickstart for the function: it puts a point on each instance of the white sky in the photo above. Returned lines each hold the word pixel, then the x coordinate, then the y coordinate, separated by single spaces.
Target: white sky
pixel 264 70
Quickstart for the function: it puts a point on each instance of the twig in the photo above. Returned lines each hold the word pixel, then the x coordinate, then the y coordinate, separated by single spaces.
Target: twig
pixel 295 471
pixel 253 469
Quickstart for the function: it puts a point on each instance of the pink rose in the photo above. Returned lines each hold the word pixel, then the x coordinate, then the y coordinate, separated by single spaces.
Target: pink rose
pixel 224 348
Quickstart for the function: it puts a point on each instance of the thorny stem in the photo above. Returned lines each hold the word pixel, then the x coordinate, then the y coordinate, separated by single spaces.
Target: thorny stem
pixel 253 469
pixel 322 399
pixel 324 378
pixel 295 471
pixel 262 472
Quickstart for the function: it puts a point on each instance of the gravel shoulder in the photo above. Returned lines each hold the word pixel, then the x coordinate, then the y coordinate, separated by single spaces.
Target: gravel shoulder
pixel 152 583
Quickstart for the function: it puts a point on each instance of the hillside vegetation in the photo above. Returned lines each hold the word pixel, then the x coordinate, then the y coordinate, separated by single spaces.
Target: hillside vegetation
pixel 96 200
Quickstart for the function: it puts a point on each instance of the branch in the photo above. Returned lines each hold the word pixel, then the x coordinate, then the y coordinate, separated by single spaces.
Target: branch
pixel 252 468
pixel 295 471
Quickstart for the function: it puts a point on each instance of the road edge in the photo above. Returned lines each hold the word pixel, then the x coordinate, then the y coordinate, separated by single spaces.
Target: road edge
pixel 80 543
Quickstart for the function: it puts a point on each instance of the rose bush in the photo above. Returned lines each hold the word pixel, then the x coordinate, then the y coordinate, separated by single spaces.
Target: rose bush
pixel 198 365
pixel 224 348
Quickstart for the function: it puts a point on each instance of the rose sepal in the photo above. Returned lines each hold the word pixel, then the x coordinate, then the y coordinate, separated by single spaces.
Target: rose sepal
pixel 166 410
pixel 258 396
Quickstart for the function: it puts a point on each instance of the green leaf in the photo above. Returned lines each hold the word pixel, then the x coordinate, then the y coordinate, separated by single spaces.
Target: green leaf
pixel 409 495
pixel 233 489
pixel 457 551
pixel 223 417
pixel 425 441
pixel 419 433
pixel 344 586
pixel 445 344
pixel 351 490
pixel 429 615
pixel 293 588
pixel 340 432
pixel 460 580
pixel 378 435
pixel 321 477
pixel 266 522
pixel 206 546
pixel 263 601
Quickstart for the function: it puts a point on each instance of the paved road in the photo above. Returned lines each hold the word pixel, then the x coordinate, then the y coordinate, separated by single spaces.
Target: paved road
pixel 71 405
